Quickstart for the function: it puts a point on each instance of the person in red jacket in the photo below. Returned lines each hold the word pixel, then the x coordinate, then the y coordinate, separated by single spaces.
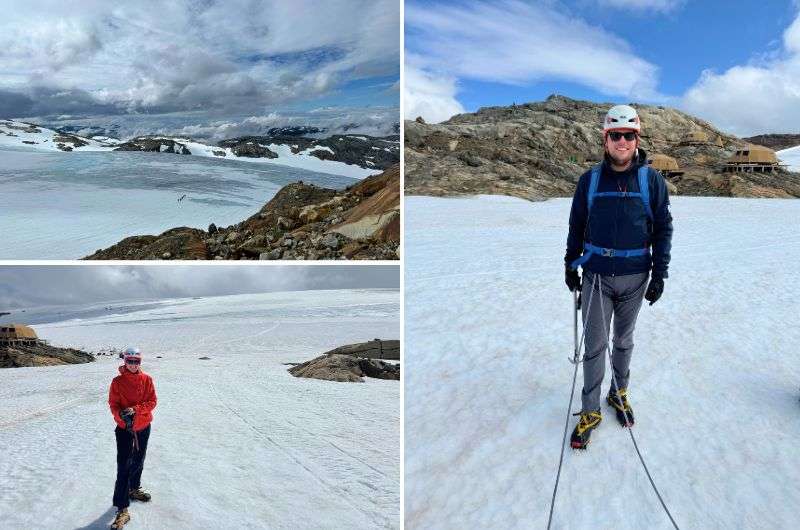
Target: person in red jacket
pixel 132 398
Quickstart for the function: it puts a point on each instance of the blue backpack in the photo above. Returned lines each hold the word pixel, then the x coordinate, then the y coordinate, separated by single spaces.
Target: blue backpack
pixel 643 193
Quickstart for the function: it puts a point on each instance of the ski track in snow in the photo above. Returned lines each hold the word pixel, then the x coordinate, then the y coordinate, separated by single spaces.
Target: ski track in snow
pixel 236 441
pixel 714 375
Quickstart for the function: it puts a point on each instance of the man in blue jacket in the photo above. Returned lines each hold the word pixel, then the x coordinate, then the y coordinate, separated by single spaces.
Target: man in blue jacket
pixel 620 232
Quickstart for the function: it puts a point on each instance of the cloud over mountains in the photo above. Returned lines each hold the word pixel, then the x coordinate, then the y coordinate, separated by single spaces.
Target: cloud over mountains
pixel 227 56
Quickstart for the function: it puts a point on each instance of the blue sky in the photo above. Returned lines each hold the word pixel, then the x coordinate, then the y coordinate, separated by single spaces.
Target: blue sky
pixel 732 65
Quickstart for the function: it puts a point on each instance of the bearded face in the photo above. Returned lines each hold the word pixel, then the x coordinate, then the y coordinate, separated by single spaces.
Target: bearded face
pixel 621 150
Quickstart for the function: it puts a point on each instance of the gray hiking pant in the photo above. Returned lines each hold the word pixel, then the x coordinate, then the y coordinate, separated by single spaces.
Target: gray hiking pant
pixel 621 298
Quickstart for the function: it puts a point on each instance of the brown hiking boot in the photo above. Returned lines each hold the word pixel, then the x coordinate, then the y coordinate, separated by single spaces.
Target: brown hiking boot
pixel 139 495
pixel 121 518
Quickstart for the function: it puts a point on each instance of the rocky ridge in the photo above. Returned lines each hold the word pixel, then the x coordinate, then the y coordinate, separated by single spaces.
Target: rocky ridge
pixel 300 222
pixel 368 152
pixel 539 150
pixel 776 142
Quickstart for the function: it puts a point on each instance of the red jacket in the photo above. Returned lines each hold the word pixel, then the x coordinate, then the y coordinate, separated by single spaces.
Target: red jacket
pixel 132 390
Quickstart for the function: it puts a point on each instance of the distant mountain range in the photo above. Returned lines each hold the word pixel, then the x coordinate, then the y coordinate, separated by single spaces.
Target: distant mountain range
pixel 345 154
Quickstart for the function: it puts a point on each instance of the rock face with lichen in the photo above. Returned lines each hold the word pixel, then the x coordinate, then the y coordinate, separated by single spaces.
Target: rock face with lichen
pixel 539 150
pixel 41 355
pixel 300 222
pixel 345 368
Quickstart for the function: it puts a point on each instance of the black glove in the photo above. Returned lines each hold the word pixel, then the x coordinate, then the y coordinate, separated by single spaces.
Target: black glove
pixel 654 290
pixel 127 417
pixel 572 278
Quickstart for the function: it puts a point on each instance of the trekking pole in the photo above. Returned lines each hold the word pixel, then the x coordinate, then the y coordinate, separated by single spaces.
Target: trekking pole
pixel 575 323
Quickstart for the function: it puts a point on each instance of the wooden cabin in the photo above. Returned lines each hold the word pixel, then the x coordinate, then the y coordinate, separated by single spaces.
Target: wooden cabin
pixel 666 165
pixel 752 158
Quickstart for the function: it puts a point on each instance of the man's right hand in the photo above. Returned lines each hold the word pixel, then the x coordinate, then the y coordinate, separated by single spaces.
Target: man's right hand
pixel 572 279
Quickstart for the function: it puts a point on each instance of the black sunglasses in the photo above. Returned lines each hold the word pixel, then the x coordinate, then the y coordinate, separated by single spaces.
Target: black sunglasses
pixel 133 361
pixel 616 135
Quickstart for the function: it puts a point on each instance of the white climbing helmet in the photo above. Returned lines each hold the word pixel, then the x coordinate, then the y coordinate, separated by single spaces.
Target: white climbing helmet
pixel 622 117
pixel 132 353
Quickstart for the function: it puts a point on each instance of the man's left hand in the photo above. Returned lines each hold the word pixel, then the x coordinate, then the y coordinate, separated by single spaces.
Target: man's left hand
pixel 654 290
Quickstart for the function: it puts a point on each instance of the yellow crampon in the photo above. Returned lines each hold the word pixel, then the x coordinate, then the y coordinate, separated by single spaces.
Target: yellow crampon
pixel 588 420
pixel 621 401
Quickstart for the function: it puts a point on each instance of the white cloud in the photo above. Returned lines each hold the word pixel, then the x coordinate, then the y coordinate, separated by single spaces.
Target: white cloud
pixel 162 56
pixel 753 98
pixel 32 286
pixel 518 43
pixel 429 96
pixel 645 5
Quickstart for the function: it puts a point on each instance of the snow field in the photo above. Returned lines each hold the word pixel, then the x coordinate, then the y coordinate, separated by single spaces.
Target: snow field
pixel 236 441
pixel 714 375
pixel 67 206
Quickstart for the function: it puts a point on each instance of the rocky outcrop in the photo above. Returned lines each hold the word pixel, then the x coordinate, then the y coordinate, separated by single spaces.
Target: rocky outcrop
pixel 248 147
pixel 374 349
pixel 345 368
pixel 67 142
pixel 369 152
pixel 41 355
pixel 538 150
pixel 776 142
pixel 154 144
pixel 300 222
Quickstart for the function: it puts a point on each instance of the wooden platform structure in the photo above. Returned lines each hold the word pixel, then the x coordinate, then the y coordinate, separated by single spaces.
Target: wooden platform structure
pixel 18 334
pixel 752 158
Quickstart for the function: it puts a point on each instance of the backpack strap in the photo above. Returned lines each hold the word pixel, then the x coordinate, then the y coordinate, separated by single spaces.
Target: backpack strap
pixel 594 179
pixel 644 189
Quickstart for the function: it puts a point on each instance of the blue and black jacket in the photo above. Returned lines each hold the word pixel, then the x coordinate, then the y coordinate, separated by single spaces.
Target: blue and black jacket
pixel 622 223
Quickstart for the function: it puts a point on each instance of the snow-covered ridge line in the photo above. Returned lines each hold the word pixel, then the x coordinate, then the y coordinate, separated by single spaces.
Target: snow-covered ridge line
pixel 16 134
pixel 790 157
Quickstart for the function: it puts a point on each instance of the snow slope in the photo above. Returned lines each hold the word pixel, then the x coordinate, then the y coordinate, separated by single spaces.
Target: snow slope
pixel 790 157
pixel 14 134
pixel 714 376
pixel 236 441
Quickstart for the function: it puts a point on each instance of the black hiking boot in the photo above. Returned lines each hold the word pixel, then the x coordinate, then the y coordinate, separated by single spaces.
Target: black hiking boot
pixel 619 400
pixel 139 494
pixel 583 430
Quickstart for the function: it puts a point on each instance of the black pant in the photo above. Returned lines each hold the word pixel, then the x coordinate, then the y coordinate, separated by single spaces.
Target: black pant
pixel 130 463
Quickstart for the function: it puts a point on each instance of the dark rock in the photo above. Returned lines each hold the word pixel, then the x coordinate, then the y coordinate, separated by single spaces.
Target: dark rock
pixel 344 368
pixel 157 145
